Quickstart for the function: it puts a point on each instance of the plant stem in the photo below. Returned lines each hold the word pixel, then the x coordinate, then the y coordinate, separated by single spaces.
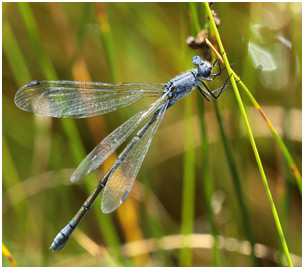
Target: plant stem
pixel 290 161
pixel 237 184
pixel 208 186
pixel 207 181
pixel 188 199
pixel 251 138
pixel 8 255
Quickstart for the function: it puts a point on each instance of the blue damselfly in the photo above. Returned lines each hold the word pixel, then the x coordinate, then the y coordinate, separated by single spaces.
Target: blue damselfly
pixel 77 99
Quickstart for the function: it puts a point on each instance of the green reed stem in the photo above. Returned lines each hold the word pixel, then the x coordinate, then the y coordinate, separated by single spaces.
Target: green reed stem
pixel 251 138
pixel 208 186
pixel 207 181
pixel 280 142
pixel 237 184
pixel 188 185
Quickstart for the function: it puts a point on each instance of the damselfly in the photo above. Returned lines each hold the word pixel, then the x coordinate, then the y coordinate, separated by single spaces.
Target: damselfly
pixel 76 99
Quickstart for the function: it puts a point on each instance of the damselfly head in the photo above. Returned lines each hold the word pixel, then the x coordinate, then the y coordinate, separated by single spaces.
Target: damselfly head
pixel 205 69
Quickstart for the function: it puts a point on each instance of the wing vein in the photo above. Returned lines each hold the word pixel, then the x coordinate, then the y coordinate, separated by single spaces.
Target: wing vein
pixel 126 166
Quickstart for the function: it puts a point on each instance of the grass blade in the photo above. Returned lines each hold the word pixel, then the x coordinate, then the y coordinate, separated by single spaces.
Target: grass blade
pixel 107 39
pixel 237 184
pixel 280 142
pixel 290 161
pixel 68 125
pixel 8 255
pixel 188 186
pixel 252 141
pixel 208 186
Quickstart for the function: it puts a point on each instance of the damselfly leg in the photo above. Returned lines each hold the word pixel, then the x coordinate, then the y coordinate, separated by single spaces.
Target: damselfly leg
pixel 213 94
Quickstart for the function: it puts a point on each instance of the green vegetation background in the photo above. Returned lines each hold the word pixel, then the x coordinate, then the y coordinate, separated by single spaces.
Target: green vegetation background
pixel 123 42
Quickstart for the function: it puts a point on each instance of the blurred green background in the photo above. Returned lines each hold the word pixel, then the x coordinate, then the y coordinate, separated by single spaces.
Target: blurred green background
pixel 182 187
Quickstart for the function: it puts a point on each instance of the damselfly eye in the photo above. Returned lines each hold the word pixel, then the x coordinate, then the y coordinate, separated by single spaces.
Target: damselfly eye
pixel 206 72
pixel 196 60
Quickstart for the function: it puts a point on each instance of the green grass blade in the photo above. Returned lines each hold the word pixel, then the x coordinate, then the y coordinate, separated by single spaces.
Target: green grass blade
pixel 195 20
pixel 208 186
pixel 252 141
pixel 15 59
pixel 280 142
pixel 290 161
pixel 68 125
pixel 11 178
pixel 236 180
pixel 155 226
pixel 107 39
pixel 188 198
pixel 237 184
pixel 44 63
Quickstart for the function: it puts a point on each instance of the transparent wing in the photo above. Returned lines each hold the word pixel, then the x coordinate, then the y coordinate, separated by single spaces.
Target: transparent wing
pixel 79 99
pixel 127 165
pixel 108 145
